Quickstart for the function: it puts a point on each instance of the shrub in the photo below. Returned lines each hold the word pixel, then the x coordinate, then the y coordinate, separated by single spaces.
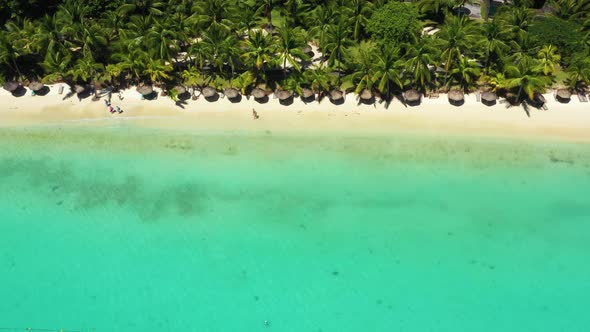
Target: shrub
pixel 551 30
pixel 395 22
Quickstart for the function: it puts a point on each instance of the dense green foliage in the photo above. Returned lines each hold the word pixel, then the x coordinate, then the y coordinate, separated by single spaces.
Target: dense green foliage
pixel 362 45
pixel 395 22
pixel 567 35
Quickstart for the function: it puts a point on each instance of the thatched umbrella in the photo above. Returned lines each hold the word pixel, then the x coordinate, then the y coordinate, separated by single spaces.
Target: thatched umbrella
pixel 336 95
pixel 258 93
pixel 366 94
pixel 563 95
pixel 231 93
pixel 307 93
pixel 180 89
pixel 456 96
pixel 209 92
pixel 412 96
pixel 145 89
pixel 10 86
pixel 488 98
pixel 284 94
pixel 79 89
pixel 36 85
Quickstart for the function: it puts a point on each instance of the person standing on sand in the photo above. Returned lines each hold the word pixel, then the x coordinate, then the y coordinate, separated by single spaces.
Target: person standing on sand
pixel 255 114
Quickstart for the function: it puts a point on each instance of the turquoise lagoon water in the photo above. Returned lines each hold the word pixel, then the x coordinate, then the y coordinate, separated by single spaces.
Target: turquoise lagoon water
pixel 128 229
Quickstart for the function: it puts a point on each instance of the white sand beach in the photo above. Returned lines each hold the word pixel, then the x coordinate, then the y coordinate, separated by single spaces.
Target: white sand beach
pixel 436 116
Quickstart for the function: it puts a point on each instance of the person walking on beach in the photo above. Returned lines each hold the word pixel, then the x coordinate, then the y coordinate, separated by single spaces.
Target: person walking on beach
pixel 255 114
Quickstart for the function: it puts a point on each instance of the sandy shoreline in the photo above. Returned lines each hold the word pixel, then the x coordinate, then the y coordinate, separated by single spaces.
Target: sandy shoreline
pixel 569 122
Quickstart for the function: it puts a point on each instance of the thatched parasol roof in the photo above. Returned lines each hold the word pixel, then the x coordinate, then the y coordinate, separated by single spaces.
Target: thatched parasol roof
pixel 209 92
pixel 284 94
pixel 145 89
pixel 564 94
pixel 10 86
pixel 489 96
pixel 258 93
pixel 79 88
pixel 336 95
pixel 231 93
pixel 456 95
pixel 366 94
pixel 411 95
pixel 307 93
pixel 36 85
pixel 180 89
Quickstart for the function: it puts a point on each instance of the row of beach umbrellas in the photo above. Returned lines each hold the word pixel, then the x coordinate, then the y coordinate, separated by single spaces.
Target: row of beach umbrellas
pixel 12 86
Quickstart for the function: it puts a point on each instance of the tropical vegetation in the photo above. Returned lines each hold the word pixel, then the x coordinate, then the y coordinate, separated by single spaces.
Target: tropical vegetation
pixel 366 46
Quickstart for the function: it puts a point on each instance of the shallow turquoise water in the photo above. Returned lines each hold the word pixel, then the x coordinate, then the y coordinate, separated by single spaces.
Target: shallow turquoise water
pixel 125 229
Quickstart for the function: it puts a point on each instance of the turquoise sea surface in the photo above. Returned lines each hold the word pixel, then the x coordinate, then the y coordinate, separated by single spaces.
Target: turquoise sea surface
pixel 130 229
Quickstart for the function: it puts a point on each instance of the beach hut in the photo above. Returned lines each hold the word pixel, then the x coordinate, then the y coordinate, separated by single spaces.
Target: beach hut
pixel 209 93
pixel 563 95
pixel 258 93
pixel 79 88
pixel 456 97
pixel 10 86
pixel 285 97
pixel 488 98
pixel 307 95
pixel 366 95
pixel 412 97
pixel 36 86
pixel 231 93
pixel 180 89
pixel 284 94
pixel 145 89
pixel 336 97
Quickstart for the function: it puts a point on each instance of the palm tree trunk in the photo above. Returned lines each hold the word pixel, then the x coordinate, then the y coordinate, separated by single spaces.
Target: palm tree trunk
pixel 16 68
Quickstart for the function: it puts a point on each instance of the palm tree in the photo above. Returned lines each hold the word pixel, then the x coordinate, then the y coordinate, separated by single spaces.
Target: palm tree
pixel 438 9
pixel 361 59
pixel 294 11
pixel 387 70
pixel 320 19
pixel 418 59
pixel 359 12
pixel 493 43
pixel 157 70
pixel 143 7
pixel 318 79
pixel 258 50
pixel 133 62
pixel 526 76
pixel 456 39
pixel 266 7
pixel 289 48
pixel 161 42
pixel 337 40
pixel 208 13
pixel 579 72
pixel 47 36
pixel 464 73
pixel 229 54
pixel 86 68
pixel 9 53
pixel 549 59
pixel 56 65
pixel 192 77
pixel 517 19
